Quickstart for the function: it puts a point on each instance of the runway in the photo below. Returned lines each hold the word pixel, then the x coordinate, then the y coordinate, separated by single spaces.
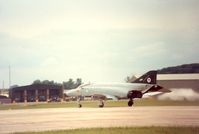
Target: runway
pixel 71 118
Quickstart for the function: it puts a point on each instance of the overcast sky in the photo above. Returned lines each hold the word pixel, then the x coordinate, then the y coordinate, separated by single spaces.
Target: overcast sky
pixel 96 40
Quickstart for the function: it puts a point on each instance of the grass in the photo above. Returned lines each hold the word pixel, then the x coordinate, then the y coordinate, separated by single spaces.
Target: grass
pixel 121 103
pixel 125 130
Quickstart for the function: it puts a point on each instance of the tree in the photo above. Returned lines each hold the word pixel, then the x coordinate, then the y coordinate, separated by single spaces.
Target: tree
pixel 46 82
pixel 36 82
pixel 70 84
pixel 185 68
pixel 78 82
pixel 127 79
pixel 130 79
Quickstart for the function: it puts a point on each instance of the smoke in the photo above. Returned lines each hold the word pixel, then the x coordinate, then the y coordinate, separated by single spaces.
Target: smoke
pixel 180 94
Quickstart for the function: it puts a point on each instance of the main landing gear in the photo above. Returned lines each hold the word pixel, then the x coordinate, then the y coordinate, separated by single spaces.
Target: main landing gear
pixel 78 101
pixel 132 95
pixel 101 103
pixel 80 105
pixel 130 103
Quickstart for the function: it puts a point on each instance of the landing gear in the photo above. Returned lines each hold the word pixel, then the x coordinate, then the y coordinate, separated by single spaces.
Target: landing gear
pixel 132 95
pixel 79 103
pixel 130 103
pixel 101 103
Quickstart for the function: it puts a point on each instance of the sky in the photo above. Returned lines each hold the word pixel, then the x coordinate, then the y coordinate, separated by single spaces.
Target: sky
pixel 96 40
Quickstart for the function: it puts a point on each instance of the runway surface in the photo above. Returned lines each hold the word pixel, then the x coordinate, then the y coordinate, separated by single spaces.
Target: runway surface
pixel 71 118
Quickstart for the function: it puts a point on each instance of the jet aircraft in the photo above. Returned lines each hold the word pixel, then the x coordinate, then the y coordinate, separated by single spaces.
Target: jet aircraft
pixel 143 85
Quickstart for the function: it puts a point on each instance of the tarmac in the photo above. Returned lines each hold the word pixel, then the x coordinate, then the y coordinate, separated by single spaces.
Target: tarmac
pixel 73 118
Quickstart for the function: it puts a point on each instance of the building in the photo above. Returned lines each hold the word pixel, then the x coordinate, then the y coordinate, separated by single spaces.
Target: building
pixel 36 93
pixel 4 92
pixel 179 81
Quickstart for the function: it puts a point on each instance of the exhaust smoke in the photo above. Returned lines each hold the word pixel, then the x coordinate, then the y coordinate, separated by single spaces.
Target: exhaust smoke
pixel 180 94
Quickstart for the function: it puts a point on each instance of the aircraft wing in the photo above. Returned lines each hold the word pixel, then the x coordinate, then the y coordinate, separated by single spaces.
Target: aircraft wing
pixel 107 96
pixel 157 93
pixel 111 97
pixel 152 94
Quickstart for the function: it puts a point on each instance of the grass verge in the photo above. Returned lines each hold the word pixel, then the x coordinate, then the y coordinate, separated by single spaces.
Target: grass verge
pixel 125 130
pixel 94 104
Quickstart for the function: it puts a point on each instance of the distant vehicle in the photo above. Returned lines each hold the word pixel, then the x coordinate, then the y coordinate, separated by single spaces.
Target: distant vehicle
pixel 42 98
pixel 144 85
pixel 4 99
pixel 31 98
pixel 54 99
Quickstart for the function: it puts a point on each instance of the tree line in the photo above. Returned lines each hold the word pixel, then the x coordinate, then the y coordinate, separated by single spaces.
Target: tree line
pixel 181 69
pixel 70 84
pixel 185 68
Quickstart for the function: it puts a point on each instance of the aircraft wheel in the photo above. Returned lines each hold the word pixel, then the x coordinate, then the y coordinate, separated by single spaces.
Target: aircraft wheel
pixel 130 103
pixel 80 105
pixel 101 104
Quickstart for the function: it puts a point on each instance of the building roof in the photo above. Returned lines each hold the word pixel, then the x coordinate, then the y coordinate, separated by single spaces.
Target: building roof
pixel 37 86
pixel 194 76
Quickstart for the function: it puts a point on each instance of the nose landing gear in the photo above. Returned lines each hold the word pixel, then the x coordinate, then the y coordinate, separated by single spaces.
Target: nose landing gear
pixel 80 105
pixel 78 101
pixel 101 103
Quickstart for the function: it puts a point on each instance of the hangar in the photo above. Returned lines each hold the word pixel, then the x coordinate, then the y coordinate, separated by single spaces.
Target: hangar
pixel 36 93
pixel 177 81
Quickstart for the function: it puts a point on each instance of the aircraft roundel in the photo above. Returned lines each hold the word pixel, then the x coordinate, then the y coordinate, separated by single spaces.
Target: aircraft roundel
pixel 149 80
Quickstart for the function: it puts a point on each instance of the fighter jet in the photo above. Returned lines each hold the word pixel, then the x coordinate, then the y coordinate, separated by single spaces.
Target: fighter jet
pixel 140 87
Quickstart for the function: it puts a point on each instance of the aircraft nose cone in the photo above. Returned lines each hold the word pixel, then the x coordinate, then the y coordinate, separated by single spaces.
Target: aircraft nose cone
pixel 73 92
pixel 69 93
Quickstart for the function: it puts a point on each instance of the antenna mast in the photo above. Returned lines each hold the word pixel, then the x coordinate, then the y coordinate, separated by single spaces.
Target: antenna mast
pixel 3 85
pixel 9 77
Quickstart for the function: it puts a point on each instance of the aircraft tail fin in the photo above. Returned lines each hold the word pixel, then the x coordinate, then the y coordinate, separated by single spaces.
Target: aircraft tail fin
pixel 148 78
